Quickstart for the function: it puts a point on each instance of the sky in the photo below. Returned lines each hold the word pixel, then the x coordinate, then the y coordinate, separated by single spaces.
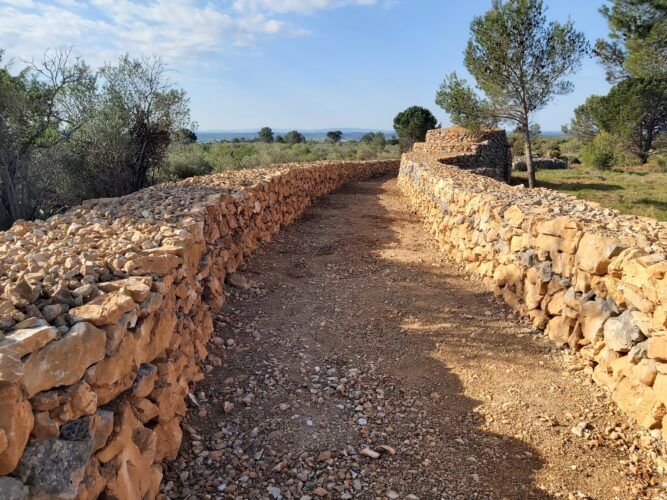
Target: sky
pixel 300 64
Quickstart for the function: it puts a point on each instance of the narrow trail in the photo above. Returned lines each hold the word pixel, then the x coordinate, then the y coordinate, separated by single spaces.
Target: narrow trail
pixel 360 363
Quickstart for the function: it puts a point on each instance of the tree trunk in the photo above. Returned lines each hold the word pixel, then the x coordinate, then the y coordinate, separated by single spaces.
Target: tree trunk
pixel 528 151
pixel 645 151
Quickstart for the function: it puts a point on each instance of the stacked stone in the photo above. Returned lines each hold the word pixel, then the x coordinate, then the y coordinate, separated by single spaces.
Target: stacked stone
pixel 106 313
pixel 484 153
pixel 595 280
pixel 539 163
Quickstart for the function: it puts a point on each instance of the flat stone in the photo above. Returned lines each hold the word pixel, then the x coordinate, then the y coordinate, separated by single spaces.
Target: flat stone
pixel 25 341
pixel 64 361
pixel 106 309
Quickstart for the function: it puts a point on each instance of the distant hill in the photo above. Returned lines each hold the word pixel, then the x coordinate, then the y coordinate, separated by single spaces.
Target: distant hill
pixel 310 134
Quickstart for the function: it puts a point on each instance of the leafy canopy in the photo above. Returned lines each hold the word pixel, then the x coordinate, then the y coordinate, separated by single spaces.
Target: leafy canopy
pixel 294 137
pixel 334 136
pixel 265 135
pixel 412 124
pixel 637 44
pixel 519 60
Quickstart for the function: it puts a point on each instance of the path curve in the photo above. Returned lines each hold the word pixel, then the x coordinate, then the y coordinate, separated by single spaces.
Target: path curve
pixel 360 363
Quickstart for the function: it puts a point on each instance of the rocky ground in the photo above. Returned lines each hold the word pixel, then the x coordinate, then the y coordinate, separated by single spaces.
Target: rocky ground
pixel 353 361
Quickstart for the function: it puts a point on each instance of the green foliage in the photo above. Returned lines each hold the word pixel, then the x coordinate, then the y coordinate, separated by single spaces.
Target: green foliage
pixel 41 107
pixel 334 136
pixel 197 159
pixel 638 39
pixel 465 108
pixel 520 61
pixel 377 139
pixel 265 135
pixel 600 152
pixel 586 122
pixel 635 111
pixel 67 133
pixel 184 136
pixel 412 124
pixel 294 137
pixel 184 161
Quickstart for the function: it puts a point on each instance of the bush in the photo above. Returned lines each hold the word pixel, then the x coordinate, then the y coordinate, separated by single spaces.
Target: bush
pixel 183 162
pixel 599 153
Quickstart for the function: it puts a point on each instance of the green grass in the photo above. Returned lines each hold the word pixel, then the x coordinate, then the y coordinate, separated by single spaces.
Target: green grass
pixel 635 191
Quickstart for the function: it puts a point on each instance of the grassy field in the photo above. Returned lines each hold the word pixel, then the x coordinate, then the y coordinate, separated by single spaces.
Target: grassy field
pixel 636 191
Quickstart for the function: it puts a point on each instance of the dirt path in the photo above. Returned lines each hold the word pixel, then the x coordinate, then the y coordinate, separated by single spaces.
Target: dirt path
pixel 361 364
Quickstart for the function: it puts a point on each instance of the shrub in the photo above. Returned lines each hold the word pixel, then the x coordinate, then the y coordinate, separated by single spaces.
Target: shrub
pixel 183 162
pixel 599 153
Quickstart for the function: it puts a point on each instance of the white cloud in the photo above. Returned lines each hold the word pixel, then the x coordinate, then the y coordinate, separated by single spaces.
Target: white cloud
pixel 301 6
pixel 177 30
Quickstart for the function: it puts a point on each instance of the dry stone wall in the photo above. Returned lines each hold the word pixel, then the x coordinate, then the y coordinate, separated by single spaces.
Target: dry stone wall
pixel 106 312
pixel 596 281
pixel 485 153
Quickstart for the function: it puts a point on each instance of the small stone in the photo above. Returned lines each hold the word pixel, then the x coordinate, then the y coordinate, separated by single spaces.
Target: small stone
pixel 275 492
pixel 238 281
pixel 320 492
pixel 367 452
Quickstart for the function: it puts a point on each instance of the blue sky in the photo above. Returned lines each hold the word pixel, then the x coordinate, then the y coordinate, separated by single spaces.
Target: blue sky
pixel 288 63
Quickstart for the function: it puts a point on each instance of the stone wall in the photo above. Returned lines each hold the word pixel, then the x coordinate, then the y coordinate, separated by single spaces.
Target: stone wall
pixel 105 316
pixel 485 153
pixel 539 163
pixel 596 281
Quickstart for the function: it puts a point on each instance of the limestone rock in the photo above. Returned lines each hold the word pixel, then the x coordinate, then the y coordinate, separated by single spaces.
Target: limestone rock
pixel 11 367
pixel 595 253
pixel 621 333
pixel 25 341
pixel 16 421
pixel 54 468
pixel 13 489
pixel 106 309
pixel 64 361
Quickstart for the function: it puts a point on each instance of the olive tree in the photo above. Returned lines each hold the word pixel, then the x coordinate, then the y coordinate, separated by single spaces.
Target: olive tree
pixel 520 62
pixel 137 113
pixel 41 108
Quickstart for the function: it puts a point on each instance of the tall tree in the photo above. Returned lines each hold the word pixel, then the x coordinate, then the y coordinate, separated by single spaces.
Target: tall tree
pixel 520 61
pixel 635 111
pixel 265 135
pixel 412 124
pixel 637 44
